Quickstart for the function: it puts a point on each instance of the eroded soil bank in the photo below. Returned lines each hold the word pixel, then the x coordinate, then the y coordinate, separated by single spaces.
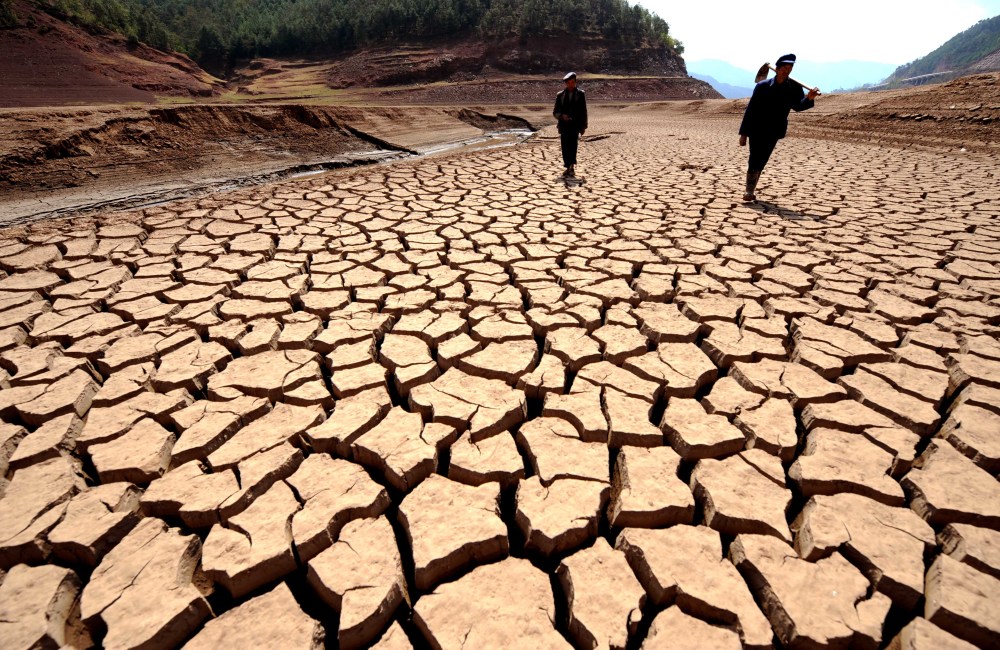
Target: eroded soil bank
pixel 57 161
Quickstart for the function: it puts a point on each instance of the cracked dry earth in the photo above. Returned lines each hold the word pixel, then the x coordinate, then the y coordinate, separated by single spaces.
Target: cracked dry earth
pixel 456 402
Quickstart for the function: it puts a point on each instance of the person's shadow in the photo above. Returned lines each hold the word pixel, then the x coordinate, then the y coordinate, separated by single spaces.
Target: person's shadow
pixel 573 181
pixel 766 207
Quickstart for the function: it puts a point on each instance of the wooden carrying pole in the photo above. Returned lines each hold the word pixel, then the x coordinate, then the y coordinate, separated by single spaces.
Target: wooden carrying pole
pixel 762 75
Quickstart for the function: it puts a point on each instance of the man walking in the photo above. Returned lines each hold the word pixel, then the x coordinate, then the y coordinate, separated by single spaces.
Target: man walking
pixel 765 120
pixel 571 111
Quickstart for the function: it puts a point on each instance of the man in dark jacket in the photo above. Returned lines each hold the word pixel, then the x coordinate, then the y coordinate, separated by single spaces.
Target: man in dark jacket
pixel 571 111
pixel 766 118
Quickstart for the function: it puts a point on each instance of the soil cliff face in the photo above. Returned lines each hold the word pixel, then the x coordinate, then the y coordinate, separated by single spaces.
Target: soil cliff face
pixel 72 148
pixel 537 55
pixel 471 60
pixel 514 71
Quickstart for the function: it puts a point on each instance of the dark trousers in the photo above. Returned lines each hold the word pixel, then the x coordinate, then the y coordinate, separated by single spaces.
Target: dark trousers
pixel 760 152
pixel 570 140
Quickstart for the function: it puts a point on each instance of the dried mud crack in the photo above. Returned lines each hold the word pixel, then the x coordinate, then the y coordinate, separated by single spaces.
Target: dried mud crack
pixel 456 401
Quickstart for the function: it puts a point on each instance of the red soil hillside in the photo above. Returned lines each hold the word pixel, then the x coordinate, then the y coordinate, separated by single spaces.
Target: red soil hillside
pixel 47 61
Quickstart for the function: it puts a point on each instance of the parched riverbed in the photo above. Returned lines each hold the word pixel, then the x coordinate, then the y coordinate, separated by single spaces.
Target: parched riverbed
pixel 459 401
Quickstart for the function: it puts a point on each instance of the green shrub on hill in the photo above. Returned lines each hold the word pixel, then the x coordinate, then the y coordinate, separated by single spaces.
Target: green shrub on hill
pixel 959 52
pixel 218 32
pixel 7 16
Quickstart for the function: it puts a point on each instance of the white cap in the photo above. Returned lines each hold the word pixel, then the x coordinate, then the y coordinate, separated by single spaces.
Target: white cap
pixel 569 75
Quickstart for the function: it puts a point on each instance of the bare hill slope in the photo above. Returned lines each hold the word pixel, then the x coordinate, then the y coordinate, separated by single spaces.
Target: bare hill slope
pixel 49 61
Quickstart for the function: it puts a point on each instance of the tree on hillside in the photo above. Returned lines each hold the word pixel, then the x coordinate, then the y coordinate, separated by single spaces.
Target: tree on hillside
pixel 218 32
pixel 7 16
pixel 210 51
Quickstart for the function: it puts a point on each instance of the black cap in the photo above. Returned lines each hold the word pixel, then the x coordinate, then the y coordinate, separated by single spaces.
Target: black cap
pixel 787 59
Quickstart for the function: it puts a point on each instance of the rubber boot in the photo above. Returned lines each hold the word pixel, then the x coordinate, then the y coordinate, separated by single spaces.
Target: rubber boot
pixel 752 178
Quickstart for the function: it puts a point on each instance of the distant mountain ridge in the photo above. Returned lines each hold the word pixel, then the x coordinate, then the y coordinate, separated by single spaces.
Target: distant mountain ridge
pixel 843 75
pixel 722 71
pixel 729 91
pixel 837 75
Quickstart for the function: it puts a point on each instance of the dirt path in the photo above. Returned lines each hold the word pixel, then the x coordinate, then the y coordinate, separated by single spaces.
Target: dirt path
pixel 459 401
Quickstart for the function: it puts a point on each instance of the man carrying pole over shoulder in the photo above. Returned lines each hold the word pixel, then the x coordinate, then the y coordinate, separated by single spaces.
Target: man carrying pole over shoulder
pixel 765 120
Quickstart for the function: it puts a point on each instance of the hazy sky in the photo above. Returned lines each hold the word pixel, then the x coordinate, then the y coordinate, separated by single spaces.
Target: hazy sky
pixel 746 33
